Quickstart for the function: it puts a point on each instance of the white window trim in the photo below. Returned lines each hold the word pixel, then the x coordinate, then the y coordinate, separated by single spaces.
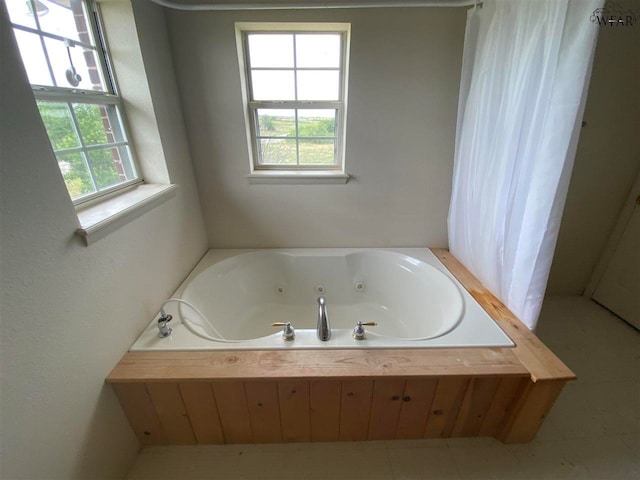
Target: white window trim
pixel 105 214
pixel 298 177
pixel 298 174
pixel 101 218
pixel 72 95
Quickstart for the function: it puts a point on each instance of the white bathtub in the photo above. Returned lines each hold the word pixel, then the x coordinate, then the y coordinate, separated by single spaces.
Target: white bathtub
pixel 412 297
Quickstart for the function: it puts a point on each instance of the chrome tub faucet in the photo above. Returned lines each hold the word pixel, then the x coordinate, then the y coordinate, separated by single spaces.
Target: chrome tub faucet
pixel 324 330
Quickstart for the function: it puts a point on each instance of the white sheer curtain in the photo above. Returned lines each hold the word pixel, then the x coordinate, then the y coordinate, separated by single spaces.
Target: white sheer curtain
pixel 525 74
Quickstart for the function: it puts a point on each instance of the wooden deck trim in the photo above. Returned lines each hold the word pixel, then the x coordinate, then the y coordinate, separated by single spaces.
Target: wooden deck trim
pixel 321 364
pixel 530 351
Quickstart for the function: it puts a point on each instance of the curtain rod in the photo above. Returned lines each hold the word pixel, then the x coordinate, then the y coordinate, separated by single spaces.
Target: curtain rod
pixel 313 5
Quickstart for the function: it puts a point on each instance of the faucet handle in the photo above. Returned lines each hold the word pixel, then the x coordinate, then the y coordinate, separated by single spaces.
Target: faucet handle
pixel 359 332
pixel 288 332
pixel 164 330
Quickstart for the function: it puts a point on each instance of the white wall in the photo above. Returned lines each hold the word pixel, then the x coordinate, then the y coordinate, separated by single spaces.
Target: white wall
pixel 405 70
pixel 607 160
pixel 403 92
pixel 69 312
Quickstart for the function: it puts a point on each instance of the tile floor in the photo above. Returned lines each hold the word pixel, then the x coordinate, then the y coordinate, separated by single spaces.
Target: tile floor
pixel 593 431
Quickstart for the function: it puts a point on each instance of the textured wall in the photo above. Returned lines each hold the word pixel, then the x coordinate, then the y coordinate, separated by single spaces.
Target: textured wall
pixel 68 311
pixel 403 93
pixel 405 68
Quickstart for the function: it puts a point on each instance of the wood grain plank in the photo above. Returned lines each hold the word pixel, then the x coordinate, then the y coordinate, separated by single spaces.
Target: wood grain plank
pixel 446 404
pixel 234 413
pixel 530 410
pixel 294 364
pixel 203 412
pixel 534 355
pixel 294 410
pixel 173 415
pixel 416 405
pixel 478 398
pixel 264 411
pixel 142 415
pixel 355 409
pixel 385 408
pixel 503 402
pixel 324 404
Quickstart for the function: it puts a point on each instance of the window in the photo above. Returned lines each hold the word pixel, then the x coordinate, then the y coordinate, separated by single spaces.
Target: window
pixel 295 90
pixel 64 54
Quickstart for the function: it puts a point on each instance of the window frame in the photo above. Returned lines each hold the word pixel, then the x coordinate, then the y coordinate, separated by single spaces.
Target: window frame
pixel 73 95
pixel 251 106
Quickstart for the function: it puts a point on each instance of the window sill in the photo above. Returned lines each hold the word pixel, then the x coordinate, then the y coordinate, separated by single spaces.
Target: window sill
pixel 284 177
pixel 99 219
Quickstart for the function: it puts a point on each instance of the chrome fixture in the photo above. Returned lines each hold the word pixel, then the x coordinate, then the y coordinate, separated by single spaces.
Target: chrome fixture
pixel 324 330
pixel 288 332
pixel 359 332
pixel 163 327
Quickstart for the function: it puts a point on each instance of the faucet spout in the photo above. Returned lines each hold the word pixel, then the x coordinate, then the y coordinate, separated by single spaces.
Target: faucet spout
pixel 324 330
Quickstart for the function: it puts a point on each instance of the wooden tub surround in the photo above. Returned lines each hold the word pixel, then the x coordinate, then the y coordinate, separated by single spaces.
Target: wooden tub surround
pixel 216 397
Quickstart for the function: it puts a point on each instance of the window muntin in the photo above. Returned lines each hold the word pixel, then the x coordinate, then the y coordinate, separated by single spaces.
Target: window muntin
pixel 67 65
pixel 295 86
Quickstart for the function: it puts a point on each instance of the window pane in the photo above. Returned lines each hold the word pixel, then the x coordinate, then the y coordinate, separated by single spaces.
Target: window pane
pixel 90 122
pixel 270 50
pixel 86 64
pixel 318 85
pixel 317 152
pixel 273 85
pixel 275 151
pixel 57 120
pixel 313 51
pixel 95 121
pixel 64 18
pixel 20 12
pixel 128 170
pixel 76 174
pixel 316 123
pixel 84 61
pixel 33 58
pixel 106 165
pixel 276 123
pixel 128 167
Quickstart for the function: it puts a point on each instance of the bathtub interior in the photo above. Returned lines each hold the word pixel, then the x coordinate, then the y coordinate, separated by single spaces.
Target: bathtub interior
pixel 243 295
pixel 408 292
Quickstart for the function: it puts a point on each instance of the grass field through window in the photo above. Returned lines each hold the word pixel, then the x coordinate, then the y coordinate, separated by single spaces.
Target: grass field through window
pixel 312 144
